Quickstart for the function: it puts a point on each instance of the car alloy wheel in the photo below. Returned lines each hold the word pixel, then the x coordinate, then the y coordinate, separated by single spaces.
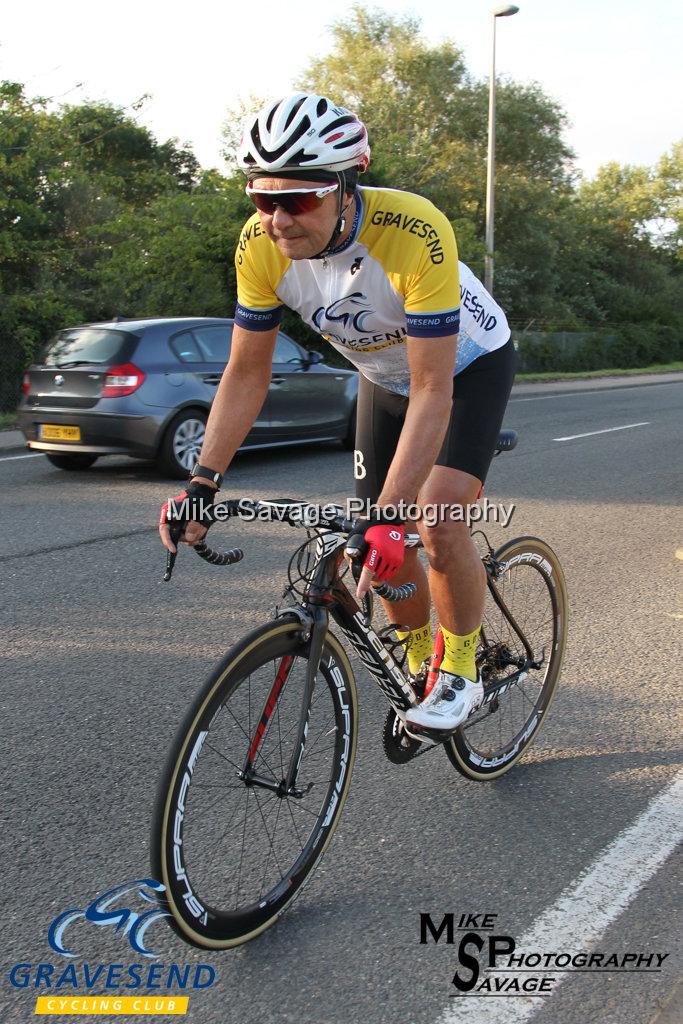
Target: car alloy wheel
pixel 187 442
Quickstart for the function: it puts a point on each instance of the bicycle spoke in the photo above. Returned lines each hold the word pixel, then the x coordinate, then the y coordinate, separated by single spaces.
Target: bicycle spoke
pixel 265 829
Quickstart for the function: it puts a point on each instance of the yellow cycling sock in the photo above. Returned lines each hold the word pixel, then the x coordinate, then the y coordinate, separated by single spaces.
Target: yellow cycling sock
pixel 420 647
pixel 459 652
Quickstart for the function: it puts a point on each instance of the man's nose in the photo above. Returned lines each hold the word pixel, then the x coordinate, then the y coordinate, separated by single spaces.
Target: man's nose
pixel 281 219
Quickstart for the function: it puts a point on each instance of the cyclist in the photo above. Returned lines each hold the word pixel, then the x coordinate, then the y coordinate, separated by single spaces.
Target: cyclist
pixel 376 272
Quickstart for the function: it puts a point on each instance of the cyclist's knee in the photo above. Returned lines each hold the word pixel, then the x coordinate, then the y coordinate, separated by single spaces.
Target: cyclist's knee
pixel 444 542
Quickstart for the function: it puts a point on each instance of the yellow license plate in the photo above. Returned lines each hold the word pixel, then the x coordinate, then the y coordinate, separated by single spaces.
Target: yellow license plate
pixel 52 432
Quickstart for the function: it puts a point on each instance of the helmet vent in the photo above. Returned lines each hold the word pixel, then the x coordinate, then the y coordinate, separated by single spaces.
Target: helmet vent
pixel 293 112
pixel 339 123
pixel 350 142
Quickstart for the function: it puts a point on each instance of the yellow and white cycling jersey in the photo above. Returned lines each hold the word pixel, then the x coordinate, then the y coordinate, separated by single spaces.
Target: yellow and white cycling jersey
pixel 397 275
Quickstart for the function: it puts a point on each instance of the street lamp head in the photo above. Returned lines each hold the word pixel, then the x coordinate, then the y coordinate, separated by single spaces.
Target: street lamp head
pixel 504 11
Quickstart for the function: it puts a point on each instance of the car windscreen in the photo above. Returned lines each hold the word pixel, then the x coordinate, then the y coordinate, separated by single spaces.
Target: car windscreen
pixel 87 345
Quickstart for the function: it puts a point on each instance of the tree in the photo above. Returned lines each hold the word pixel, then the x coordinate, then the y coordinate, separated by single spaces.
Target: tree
pixel 63 175
pixel 427 122
pixel 174 257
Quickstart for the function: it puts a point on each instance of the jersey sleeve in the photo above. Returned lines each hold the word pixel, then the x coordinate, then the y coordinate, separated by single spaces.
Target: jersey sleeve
pixel 432 291
pixel 258 307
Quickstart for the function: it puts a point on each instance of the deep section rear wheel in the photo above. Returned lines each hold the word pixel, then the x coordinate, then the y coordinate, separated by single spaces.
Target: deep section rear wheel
pixel 533 587
pixel 233 853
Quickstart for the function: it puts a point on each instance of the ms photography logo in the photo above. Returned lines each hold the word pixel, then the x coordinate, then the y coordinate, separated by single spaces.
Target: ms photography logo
pixel 488 963
pixel 125 912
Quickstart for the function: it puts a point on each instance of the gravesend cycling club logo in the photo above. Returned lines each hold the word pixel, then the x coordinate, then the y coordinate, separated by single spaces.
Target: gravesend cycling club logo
pixel 490 963
pixel 103 912
pixel 127 913
pixel 351 312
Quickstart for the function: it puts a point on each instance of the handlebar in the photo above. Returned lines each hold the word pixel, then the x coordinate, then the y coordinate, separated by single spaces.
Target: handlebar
pixel 390 593
pixel 219 557
pixel 294 513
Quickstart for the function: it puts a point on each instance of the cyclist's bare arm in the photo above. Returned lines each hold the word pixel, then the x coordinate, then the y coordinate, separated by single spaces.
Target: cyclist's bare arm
pixel 239 399
pixel 432 364
pixel 240 396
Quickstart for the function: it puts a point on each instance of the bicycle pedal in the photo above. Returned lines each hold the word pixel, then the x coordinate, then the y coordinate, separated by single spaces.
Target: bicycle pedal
pixel 399 746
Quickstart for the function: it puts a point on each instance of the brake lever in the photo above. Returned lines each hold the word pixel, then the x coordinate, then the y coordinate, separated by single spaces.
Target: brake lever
pixel 176 531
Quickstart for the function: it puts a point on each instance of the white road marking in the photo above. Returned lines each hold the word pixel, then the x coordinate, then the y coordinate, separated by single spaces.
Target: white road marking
pixel 587 908
pixel 608 430
pixel 8 458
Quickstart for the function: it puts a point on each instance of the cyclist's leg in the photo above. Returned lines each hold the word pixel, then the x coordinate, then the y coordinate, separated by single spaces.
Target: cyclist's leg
pixel 457 577
pixel 456 574
pixel 379 423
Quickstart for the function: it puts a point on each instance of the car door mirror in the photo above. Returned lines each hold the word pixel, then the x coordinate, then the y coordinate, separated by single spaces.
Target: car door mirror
pixel 311 358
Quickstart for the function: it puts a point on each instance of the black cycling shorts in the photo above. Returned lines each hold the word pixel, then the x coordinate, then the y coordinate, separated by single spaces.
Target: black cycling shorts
pixel 480 395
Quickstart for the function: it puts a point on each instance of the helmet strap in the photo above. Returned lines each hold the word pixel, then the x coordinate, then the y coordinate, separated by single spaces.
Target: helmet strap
pixel 341 220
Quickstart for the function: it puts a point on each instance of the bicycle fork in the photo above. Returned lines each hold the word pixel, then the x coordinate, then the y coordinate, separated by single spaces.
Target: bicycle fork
pixel 287 786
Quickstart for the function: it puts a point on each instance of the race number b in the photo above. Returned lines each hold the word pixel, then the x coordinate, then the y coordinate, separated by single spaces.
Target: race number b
pixel 359 470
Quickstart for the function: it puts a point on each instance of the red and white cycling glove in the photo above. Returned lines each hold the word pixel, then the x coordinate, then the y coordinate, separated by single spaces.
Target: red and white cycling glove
pixel 382 544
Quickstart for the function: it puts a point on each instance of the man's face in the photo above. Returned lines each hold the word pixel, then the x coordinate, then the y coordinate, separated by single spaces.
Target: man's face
pixel 302 236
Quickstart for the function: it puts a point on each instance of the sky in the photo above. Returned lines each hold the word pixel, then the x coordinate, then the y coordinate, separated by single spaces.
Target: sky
pixel 614 67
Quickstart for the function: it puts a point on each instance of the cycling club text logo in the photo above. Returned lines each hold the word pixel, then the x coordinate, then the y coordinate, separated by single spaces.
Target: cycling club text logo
pixel 110 909
pixel 351 312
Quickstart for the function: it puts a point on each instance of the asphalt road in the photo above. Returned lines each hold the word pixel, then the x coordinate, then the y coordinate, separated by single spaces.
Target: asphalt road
pixel 101 658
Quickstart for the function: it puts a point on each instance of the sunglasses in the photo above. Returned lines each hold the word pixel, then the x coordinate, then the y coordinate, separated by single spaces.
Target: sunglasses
pixel 292 201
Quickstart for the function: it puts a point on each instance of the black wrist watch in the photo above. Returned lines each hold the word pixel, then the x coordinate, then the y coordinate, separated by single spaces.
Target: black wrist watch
pixel 209 474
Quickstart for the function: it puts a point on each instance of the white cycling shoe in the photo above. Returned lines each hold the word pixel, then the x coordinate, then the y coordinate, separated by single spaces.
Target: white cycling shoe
pixel 450 703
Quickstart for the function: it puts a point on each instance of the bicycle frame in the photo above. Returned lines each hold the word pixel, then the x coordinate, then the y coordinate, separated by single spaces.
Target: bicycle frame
pixel 326 594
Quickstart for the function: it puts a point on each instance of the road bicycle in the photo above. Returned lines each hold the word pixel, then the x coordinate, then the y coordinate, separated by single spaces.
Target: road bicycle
pixel 260 768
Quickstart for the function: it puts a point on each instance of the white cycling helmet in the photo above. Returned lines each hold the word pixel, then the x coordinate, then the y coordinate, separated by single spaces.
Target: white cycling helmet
pixel 303 131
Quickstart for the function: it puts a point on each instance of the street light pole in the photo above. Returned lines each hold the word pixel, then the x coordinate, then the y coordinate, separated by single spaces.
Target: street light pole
pixel 498 12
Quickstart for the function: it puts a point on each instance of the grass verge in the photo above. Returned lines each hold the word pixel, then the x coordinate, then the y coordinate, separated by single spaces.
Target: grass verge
pixel 550 375
pixel 8 421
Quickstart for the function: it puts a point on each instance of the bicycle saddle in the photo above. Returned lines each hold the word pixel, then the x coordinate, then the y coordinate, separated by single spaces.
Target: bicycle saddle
pixel 507 440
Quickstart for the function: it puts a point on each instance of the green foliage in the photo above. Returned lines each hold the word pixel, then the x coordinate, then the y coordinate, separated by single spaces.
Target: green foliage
pixel 629 346
pixel 175 256
pixel 72 183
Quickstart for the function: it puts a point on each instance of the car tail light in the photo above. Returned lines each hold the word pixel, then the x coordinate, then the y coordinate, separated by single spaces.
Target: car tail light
pixel 122 380
pixel 26 383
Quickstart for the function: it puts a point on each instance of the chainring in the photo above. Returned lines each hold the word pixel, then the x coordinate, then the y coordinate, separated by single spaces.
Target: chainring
pixel 398 745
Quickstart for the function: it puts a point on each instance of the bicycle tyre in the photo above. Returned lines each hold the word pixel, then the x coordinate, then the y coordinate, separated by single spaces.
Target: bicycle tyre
pixel 474 749
pixel 202 911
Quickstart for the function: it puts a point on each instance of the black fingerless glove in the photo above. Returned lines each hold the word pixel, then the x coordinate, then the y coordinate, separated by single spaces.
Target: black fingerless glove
pixel 195 505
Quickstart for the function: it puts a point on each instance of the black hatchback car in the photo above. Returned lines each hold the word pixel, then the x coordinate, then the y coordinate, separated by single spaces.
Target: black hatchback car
pixel 144 388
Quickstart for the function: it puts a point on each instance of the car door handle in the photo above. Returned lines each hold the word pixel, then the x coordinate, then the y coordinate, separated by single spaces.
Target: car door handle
pixel 277 380
pixel 212 378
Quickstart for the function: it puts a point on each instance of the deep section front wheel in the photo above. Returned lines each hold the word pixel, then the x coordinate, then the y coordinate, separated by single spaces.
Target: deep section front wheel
pixel 231 846
pixel 530 583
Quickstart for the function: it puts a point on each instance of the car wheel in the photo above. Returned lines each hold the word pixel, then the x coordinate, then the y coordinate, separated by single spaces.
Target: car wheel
pixel 349 440
pixel 182 443
pixel 79 460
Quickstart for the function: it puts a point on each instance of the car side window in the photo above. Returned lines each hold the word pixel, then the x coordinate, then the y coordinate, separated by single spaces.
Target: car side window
pixel 214 342
pixel 285 350
pixel 186 349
